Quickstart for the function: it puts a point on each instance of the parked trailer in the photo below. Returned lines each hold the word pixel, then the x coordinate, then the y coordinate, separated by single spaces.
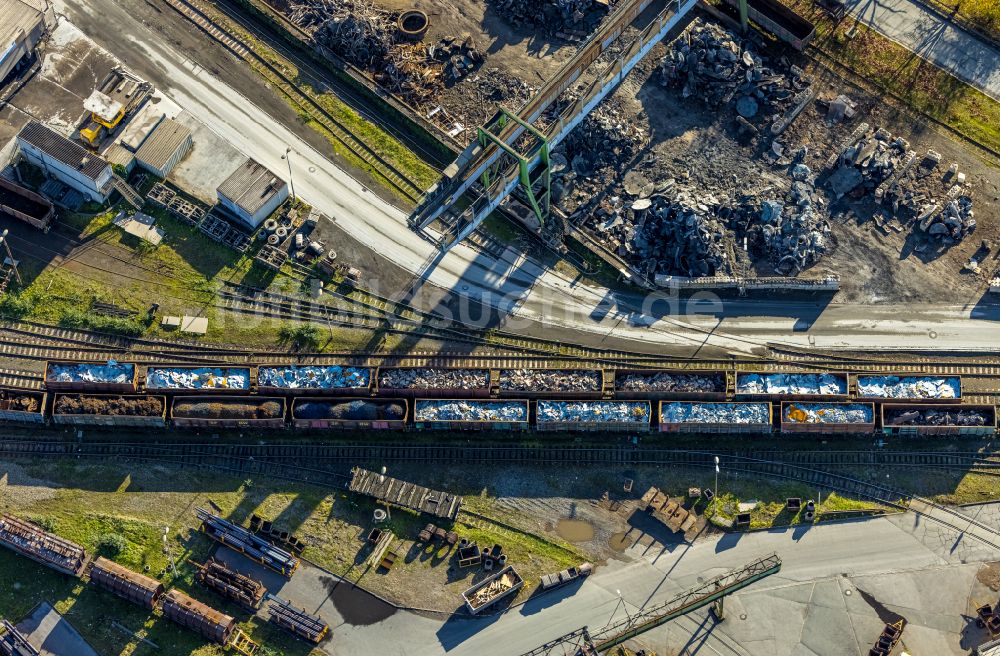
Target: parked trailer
pixel 593 415
pixel 762 385
pixel 297 622
pixel 326 413
pixel 433 382
pixel 115 410
pixel 800 417
pixel 695 417
pixel 25 205
pixel 131 586
pixel 105 377
pixel 938 419
pixel 471 414
pixel 204 620
pixel 228 412
pixel 549 383
pixel 490 590
pixel 179 378
pixel 912 388
pixel 41 546
pixel 335 380
pixel 23 406
pixel 674 384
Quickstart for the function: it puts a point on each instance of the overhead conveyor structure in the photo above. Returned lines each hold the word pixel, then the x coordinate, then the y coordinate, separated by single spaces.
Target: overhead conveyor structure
pixel 511 151
pixel 583 642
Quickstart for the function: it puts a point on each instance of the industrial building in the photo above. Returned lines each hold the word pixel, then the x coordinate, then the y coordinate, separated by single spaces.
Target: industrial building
pixel 252 193
pixel 66 161
pixel 164 148
pixel 22 27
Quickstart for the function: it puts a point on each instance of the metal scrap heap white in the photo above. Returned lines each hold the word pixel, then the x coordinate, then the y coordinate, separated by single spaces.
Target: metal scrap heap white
pixel 88 372
pixel 593 411
pixel 827 384
pixel 829 413
pixel 471 411
pixel 313 377
pixel 910 387
pixel 716 413
pixel 198 378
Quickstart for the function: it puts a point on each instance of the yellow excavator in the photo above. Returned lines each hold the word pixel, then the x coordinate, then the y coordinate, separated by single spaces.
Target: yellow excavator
pixel 117 96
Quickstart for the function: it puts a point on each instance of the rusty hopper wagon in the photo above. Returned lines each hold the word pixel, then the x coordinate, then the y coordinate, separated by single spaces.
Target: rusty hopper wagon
pixel 131 586
pixel 25 205
pixel 298 622
pixel 42 547
pixel 240 539
pixel 231 584
pixel 23 407
pixel 192 614
pixel 13 642
pixel 484 594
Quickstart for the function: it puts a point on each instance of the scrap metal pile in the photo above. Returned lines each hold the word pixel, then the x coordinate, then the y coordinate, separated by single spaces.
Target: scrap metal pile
pixel 593 411
pixel 910 189
pixel 433 378
pixel 663 381
pixel 143 406
pixel 829 413
pixel 353 410
pixel 471 411
pixel 563 18
pixel 313 377
pixel 112 372
pixel 712 63
pixel 561 380
pixel 367 37
pixel 716 413
pixel 791 384
pixel 909 387
pixel 198 378
pixel 19 402
pixel 937 417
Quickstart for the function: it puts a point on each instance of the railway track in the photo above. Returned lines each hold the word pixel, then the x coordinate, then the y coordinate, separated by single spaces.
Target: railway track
pixel 378 165
pixel 278 461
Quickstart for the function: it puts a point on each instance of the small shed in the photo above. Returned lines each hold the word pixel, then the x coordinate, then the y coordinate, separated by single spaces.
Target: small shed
pixel 164 148
pixel 252 193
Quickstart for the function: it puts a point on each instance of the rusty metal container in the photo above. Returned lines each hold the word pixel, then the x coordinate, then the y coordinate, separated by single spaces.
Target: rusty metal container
pixel 228 412
pixel 16 406
pixel 798 417
pixel 735 417
pixel 188 379
pixel 919 426
pixel 72 376
pixel 676 384
pixel 308 412
pixel 902 387
pixel 804 385
pixel 131 586
pixel 576 383
pixel 106 418
pixel 315 380
pixel 465 413
pixel 202 619
pixel 42 547
pixel 480 390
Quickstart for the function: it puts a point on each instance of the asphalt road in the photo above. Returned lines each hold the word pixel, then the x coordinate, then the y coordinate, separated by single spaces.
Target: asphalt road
pixel 513 282
pixel 935 38
pixel 812 606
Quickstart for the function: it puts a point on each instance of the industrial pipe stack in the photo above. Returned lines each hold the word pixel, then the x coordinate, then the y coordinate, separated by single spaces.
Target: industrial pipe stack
pixel 240 539
pixel 298 622
pixel 230 584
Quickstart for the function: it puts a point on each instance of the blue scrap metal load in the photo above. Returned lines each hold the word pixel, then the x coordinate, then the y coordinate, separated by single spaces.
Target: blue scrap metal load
pixel 214 378
pixel 353 410
pixel 910 387
pixel 112 372
pixel 471 411
pixel 829 413
pixel 241 540
pixel 814 384
pixel 634 412
pixel 716 413
pixel 313 377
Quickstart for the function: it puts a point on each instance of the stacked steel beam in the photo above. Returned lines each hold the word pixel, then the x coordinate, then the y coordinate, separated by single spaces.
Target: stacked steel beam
pixel 231 584
pixel 240 539
pixel 296 621
pixel 43 547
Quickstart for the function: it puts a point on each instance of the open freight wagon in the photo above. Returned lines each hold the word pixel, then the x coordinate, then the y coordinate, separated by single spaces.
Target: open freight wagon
pixel 772 386
pixel 315 380
pixel 433 382
pixel 549 383
pixel 938 420
pixel 909 388
pixel 680 385
pixel 176 379
pixel 228 412
pixel 611 416
pixel 471 414
pixel 23 406
pixel 349 413
pixel 827 418
pixel 111 410
pixel 715 417
pixel 111 377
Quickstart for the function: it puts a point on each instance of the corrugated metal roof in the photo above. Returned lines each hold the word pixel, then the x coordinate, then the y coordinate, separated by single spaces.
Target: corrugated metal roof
pixel 17 16
pixel 62 149
pixel 118 154
pixel 157 150
pixel 251 186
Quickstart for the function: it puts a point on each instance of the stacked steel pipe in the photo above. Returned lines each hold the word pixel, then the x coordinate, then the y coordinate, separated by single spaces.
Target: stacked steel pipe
pixel 240 539
pixel 231 584
pixel 298 622
pixel 42 547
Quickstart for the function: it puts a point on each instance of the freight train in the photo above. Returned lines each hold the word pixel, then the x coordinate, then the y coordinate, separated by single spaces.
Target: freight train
pixel 331 397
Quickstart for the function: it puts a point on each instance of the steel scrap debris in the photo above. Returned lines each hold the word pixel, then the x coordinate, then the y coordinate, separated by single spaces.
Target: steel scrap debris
pixel 593 411
pixel 937 417
pixel 87 372
pixel 561 380
pixel 351 410
pixel 663 381
pixel 563 18
pixel 471 411
pixel 200 378
pixel 712 63
pixel 433 378
pixel 716 413
pixel 313 377
pixel 826 384
pixel 909 387
pixel 829 413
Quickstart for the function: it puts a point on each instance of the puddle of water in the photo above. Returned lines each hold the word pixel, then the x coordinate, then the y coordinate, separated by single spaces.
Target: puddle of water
pixel 356 606
pixel 575 530
pixel 620 542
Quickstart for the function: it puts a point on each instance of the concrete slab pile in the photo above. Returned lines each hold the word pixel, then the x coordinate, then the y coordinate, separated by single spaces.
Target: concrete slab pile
pixel 562 380
pixel 909 387
pixel 712 63
pixel 829 413
pixel 593 411
pixel 433 378
pixel 313 377
pixel 937 417
pixel 825 384
pixel 715 413
pixel 431 410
